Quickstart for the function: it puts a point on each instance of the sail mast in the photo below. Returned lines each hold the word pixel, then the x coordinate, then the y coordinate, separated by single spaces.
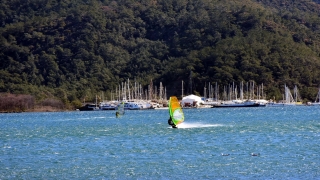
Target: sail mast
pixel 182 90
pixel 216 91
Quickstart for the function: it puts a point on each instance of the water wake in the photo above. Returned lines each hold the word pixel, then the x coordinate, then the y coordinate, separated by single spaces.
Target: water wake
pixel 197 125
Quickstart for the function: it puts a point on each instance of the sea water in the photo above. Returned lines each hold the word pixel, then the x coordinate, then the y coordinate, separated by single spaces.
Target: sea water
pixel 230 143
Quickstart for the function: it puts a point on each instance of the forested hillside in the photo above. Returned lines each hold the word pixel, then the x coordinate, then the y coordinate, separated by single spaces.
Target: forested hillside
pixel 72 49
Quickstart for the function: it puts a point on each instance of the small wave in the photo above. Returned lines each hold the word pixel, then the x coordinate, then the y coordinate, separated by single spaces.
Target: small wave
pixel 83 118
pixel 99 117
pixel 6 147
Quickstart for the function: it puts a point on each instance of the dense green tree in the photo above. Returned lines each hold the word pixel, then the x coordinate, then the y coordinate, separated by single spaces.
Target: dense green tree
pixel 73 50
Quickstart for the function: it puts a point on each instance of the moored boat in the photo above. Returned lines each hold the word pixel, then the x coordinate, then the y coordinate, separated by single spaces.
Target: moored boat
pixel 107 106
pixel 317 101
pixel 237 103
pixel 274 104
pixel 89 107
pixel 137 105
pixel 313 103
pixel 131 106
pixel 144 105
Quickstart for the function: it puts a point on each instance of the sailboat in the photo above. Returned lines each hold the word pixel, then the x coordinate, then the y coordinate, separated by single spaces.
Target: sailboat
pixel 175 112
pixel 120 109
pixel 317 101
pixel 90 107
pixel 288 99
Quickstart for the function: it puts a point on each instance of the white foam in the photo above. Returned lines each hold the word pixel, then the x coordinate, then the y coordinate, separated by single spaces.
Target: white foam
pixel 197 125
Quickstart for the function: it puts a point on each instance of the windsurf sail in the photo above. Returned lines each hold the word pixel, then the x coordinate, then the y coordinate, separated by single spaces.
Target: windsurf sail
pixel 120 110
pixel 175 111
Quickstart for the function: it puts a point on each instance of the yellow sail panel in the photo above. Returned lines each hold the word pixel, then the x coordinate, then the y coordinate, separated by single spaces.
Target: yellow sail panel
pixel 175 110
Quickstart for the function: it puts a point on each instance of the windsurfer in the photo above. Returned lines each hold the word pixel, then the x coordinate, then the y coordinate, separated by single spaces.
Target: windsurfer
pixel 117 114
pixel 170 122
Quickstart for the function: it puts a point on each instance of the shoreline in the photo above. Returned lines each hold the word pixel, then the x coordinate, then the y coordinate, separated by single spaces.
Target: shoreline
pixel 38 109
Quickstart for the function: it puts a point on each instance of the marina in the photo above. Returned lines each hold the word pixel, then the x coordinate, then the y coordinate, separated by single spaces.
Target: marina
pixel 246 95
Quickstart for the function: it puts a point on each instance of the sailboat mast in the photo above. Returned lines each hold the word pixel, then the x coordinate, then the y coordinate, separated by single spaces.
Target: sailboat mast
pixel 209 92
pixel 135 89
pixel 146 94
pixel 96 100
pixel 233 90
pixel 318 96
pixel 129 90
pixel 120 92
pixel 262 95
pixel 216 91
pixel 182 89
pixel 248 93
pixel 224 95
pixel 123 87
pixel 165 93
pixel 150 89
pixel 241 90
pixel 190 83
pixel 253 90
pixel 140 91
pixel 161 92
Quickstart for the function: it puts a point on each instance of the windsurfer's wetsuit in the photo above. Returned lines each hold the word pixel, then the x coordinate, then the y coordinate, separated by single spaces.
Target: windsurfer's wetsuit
pixel 170 122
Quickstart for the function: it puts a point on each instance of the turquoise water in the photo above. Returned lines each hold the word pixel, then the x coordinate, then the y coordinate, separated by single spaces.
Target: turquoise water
pixel 139 145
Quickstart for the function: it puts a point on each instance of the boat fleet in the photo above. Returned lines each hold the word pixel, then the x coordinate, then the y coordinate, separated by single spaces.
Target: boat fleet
pixel 231 97
pixel 113 105
pixel 133 98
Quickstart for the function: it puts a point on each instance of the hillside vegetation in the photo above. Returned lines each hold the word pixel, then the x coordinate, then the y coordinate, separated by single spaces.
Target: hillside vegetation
pixel 73 49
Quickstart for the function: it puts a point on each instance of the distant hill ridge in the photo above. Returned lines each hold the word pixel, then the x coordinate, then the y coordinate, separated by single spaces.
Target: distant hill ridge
pixel 73 50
